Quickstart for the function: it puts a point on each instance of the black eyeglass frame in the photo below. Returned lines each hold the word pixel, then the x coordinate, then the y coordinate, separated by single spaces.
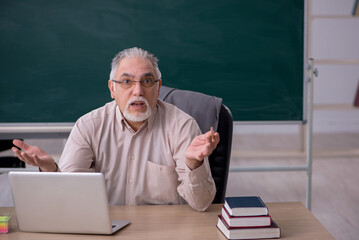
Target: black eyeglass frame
pixel 134 82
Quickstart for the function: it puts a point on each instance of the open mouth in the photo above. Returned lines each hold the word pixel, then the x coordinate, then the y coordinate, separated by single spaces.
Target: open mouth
pixel 138 104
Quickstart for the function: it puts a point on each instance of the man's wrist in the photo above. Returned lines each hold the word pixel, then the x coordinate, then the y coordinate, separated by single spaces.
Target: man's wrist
pixel 193 163
pixel 54 168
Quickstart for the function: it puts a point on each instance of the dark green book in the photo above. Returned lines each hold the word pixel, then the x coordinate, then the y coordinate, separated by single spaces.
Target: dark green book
pixel 245 206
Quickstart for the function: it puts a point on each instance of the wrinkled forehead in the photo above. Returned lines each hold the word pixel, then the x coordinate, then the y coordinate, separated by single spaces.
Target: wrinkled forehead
pixel 135 67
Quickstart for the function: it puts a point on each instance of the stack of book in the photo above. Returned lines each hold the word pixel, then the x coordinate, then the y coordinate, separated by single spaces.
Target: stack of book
pixel 246 218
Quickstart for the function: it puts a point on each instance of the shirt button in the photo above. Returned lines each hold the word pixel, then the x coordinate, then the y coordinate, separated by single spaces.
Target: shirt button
pixel 130 180
pixel 132 157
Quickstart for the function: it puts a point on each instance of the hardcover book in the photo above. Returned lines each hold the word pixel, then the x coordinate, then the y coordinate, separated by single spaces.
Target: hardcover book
pixel 272 231
pixel 245 206
pixel 248 221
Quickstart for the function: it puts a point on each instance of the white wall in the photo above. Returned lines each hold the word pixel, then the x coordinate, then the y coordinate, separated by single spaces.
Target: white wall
pixel 334 35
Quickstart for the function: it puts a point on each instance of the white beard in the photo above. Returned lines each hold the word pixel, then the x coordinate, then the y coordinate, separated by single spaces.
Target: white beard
pixel 137 117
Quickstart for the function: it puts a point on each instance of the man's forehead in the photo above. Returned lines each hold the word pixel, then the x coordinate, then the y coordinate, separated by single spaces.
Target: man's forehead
pixel 135 63
pixel 146 74
pixel 135 66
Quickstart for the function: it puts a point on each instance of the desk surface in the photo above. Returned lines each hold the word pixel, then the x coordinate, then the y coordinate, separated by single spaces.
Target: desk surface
pixel 181 222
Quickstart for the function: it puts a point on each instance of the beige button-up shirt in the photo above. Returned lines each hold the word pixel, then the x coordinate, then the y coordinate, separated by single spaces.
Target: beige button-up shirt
pixel 143 167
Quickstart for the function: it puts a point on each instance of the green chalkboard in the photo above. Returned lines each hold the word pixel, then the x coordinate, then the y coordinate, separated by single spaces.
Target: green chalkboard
pixel 55 55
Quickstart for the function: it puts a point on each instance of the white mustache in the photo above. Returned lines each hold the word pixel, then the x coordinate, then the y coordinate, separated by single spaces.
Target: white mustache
pixel 137 99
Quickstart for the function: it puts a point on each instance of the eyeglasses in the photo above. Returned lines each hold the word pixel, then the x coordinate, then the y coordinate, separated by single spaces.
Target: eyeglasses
pixel 127 83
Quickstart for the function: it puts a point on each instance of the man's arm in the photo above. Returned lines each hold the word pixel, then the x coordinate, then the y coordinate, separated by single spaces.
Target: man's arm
pixel 197 186
pixel 35 156
pixel 77 155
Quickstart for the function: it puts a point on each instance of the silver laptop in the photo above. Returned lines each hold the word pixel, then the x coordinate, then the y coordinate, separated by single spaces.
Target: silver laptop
pixel 62 203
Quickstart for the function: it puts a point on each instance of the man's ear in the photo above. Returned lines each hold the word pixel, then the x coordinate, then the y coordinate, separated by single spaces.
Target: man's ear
pixel 159 87
pixel 111 86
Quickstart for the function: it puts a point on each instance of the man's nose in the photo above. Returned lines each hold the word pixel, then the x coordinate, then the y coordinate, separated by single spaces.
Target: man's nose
pixel 137 89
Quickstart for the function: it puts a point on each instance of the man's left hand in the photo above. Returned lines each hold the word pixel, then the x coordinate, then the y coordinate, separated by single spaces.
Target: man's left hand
pixel 201 146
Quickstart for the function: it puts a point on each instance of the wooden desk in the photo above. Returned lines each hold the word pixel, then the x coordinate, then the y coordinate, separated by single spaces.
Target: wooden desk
pixel 181 222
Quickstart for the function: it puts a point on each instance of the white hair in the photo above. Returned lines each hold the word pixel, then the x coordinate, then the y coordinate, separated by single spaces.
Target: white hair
pixel 134 52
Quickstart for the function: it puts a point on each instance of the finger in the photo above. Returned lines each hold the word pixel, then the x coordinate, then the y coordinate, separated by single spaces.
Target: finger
pixel 216 138
pixel 199 140
pixel 36 159
pixel 17 153
pixel 206 150
pixel 206 137
pixel 214 144
pixel 28 159
pixel 203 137
pixel 211 136
pixel 20 144
pixel 24 160
pixel 210 146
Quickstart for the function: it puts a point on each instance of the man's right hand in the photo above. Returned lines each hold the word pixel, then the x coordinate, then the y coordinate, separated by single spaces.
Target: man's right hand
pixel 34 156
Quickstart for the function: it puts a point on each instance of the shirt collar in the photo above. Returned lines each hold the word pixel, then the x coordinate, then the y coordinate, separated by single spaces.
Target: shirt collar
pixel 152 118
pixel 119 117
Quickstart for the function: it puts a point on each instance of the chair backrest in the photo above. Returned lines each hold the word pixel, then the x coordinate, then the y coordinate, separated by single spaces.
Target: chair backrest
pixel 208 111
pixel 220 157
pixel 9 161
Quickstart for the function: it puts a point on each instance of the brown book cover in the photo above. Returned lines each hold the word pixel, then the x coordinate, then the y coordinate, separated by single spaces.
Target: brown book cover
pixel 272 231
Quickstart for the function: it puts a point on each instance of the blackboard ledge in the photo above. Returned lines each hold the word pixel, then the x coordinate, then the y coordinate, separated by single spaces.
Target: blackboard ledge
pixel 298 122
pixel 35 130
